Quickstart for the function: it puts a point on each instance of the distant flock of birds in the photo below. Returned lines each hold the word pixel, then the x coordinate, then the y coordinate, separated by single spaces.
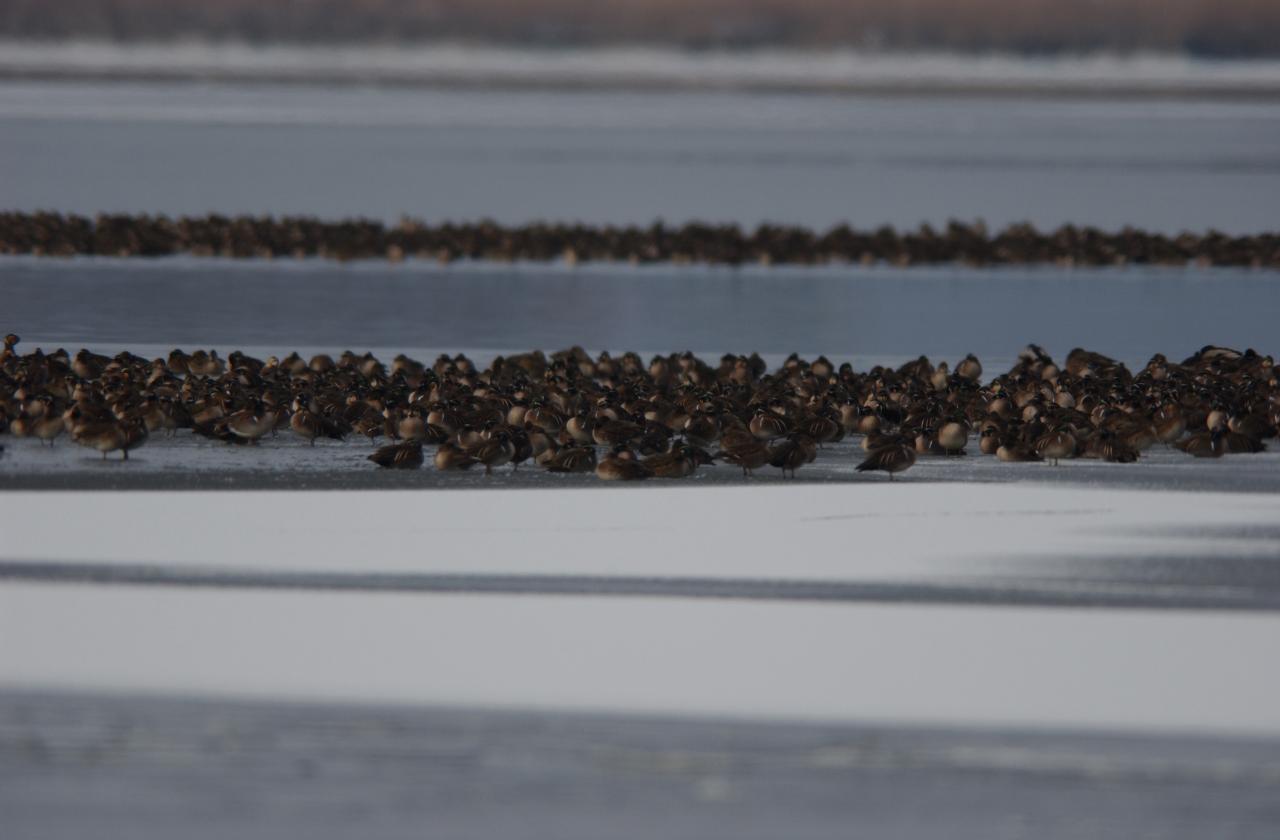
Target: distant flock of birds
pixel 56 234
pixel 625 420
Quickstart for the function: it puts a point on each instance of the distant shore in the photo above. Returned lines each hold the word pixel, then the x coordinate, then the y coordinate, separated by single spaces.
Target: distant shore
pixel 847 71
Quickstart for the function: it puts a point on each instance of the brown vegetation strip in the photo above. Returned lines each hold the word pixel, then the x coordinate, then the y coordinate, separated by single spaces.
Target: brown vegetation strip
pixel 55 234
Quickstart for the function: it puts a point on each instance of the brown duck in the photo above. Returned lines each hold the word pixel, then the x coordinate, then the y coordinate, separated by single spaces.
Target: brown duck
pixel 898 456
pixel 399 456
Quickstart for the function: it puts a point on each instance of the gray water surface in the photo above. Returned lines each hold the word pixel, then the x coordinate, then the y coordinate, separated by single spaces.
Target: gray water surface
pixel 632 157
pixel 857 314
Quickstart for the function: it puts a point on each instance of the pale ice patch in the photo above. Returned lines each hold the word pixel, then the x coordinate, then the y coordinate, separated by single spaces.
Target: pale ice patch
pixel 1129 670
pixel 837 532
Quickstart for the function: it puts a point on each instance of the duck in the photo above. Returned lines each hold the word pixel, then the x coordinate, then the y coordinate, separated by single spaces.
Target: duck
pixel 744 450
pixel 251 423
pixel 616 466
pixel 1056 444
pixel 680 462
pixel 494 451
pixel 820 427
pixel 11 341
pixel 1239 443
pixel 49 424
pixel 104 436
pixel 373 425
pixel 767 424
pixel 615 432
pixel 572 459
pixel 579 427
pixel 953 435
pixel 891 457
pixel 1169 424
pixel 1206 444
pixel 701 428
pixel 450 456
pixel 1107 446
pixel 1014 451
pixel 413 425
pixel 969 368
pixel 307 424
pixel 135 435
pixel 399 456
pixel 792 453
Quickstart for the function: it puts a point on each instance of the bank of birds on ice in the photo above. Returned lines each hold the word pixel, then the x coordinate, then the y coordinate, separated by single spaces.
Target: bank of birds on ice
pixel 626 419
pixel 56 234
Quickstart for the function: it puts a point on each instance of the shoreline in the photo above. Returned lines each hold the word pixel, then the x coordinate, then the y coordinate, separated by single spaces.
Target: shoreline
pixel 777 70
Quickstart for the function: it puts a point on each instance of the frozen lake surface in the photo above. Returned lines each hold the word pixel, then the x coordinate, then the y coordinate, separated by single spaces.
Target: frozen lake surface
pixel 635 156
pixel 808 601
pixel 978 650
pixel 863 315
pixel 73 766
pixel 991 543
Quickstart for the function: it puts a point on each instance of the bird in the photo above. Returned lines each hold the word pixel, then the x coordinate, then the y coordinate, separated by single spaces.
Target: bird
pixel 892 458
pixel 1206 444
pixel 744 450
pixel 309 425
pixel 572 459
pixel 494 451
pixel 792 453
pixel 450 456
pixel 617 467
pixel 252 422
pixel 1059 443
pixel 1012 450
pixel 399 456
pixel 680 462
pixel 1106 446
pixel 767 424
pixel 663 418
pixel 104 436
pixel 953 435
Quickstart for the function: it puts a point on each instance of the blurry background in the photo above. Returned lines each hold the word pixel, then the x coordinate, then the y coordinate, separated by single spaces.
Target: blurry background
pixel 1227 28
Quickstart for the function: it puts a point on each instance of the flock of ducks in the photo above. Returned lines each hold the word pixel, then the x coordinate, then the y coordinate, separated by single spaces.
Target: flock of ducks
pixel 56 234
pixel 625 420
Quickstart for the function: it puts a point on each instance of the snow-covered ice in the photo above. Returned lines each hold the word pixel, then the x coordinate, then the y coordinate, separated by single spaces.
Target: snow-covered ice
pixel 1119 668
